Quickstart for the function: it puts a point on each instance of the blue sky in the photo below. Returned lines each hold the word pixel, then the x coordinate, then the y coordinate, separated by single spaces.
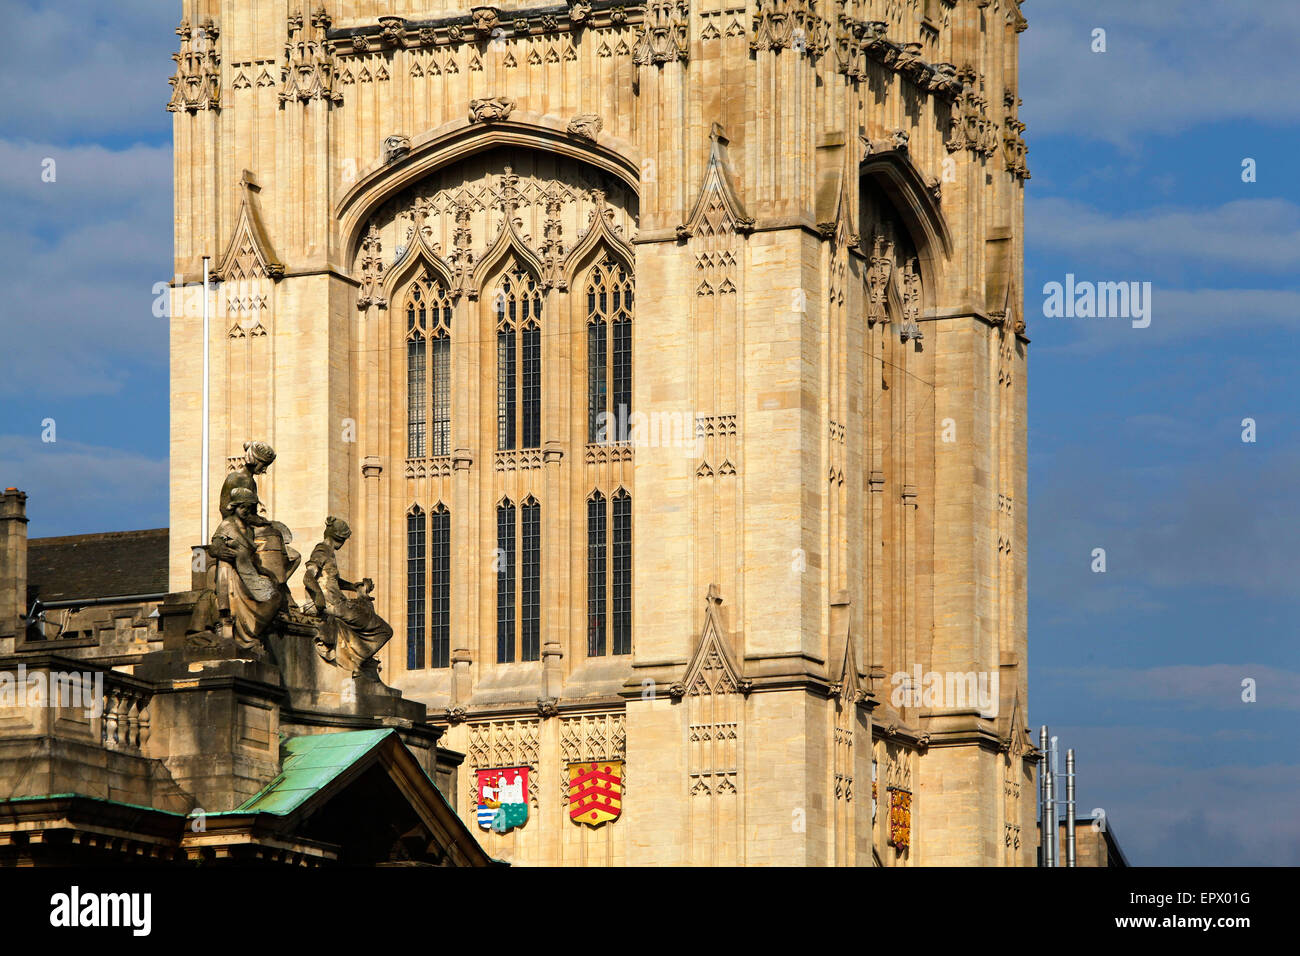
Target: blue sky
pixel 1135 434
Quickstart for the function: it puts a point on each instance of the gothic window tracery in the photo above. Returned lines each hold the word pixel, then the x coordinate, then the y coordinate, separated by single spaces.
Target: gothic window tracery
pixel 609 574
pixel 517 304
pixel 428 368
pixel 518 560
pixel 609 296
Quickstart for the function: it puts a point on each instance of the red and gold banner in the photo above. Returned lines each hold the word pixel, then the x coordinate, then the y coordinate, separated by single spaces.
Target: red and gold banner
pixel 595 791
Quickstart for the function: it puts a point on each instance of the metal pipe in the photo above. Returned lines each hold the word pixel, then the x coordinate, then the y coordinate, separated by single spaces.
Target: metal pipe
pixel 1042 796
pixel 1049 810
pixel 203 523
pixel 93 602
pixel 1069 807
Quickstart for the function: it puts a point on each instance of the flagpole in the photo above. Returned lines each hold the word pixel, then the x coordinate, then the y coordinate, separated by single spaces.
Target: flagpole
pixel 203 524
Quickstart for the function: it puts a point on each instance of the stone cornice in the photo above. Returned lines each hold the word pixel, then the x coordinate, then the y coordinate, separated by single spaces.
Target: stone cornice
pixel 483 23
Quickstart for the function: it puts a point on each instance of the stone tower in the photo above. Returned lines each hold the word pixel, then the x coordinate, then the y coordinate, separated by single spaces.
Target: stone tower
pixel 668 361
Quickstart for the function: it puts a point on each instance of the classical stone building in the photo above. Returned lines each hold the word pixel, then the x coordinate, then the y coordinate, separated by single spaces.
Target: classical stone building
pixel 125 740
pixel 668 361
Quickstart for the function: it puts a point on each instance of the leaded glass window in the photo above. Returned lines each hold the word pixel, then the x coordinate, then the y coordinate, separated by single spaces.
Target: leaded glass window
pixel 609 351
pixel 517 302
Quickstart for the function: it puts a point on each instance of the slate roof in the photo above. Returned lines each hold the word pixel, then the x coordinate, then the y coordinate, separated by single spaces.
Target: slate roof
pixel 85 566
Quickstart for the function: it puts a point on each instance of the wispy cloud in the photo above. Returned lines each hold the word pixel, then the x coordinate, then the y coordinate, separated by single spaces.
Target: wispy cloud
pixel 1168 66
pixel 1210 686
pixel 75 487
pixel 79 69
pixel 79 258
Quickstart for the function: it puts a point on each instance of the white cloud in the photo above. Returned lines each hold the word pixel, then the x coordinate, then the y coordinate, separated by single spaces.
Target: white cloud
pixel 1168 66
pixel 1248 235
pixel 1203 686
pixel 78 68
pixel 78 260
pixel 75 487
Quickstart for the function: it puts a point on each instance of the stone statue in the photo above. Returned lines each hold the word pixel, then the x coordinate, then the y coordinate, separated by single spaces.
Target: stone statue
pixel 258 456
pixel 349 632
pixel 250 575
pixel 273 537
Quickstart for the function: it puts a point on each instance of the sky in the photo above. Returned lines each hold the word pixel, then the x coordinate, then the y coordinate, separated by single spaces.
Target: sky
pixel 1135 434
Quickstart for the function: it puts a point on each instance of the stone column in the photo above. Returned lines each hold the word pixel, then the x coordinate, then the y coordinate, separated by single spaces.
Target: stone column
pixel 13 567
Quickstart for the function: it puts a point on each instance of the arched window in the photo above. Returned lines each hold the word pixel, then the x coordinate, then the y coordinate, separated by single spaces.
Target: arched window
pixel 415 582
pixel 518 305
pixel 609 351
pixel 428 369
pixel 609 574
pixel 428 587
pixel 519 581
pixel 440 587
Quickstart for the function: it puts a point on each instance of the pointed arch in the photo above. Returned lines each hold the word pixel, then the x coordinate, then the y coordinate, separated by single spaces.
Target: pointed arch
pixel 459 139
pixel 518 303
pixel 416 584
pixel 898 179
pixel 718 206
pixel 416 258
pixel 507 244
pixel 248 242
pixel 600 236
pixel 713 667
pixel 606 298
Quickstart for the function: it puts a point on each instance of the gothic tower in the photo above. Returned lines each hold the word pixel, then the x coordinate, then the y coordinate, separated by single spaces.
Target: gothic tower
pixel 668 362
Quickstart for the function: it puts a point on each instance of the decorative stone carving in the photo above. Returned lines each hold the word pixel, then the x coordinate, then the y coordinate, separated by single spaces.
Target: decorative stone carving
pixel 718 208
pixel 253 564
pixel 878 275
pixel 971 128
pixel 490 110
pixel 349 633
pixel 396 147
pixel 462 256
pixel 393 31
pixel 896 143
pixel 308 73
pixel 486 19
pixel 665 38
pixel 197 83
pixel 504 743
pixel 586 125
pixel 579 12
pixel 372 272
pixel 552 251
pixel 1013 140
pixel 944 80
pixel 911 330
pixel 786 24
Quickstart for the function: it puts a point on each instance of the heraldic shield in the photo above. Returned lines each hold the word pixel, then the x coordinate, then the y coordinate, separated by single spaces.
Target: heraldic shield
pixel 595 791
pixel 502 799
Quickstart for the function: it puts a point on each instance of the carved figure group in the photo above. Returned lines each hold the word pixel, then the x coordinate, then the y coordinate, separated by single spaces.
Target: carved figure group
pixel 251 566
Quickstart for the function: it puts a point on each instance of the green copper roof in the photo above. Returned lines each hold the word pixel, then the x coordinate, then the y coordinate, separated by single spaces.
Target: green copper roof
pixel 310 763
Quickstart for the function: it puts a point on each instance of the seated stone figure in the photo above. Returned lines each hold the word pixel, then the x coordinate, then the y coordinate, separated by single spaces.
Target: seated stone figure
pixel 350 633
pixel 251 571
pixel 273 536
